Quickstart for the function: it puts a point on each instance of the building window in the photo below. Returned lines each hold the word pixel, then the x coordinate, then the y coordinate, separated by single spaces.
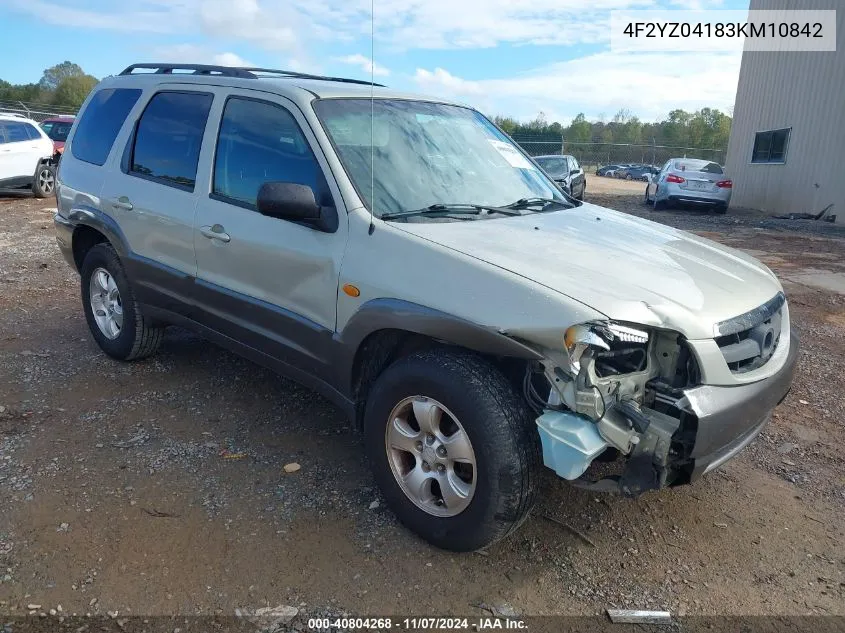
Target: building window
pixel 770 147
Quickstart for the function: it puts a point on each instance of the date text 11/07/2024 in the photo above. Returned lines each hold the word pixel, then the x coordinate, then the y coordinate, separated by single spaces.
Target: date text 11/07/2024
pixel 416 624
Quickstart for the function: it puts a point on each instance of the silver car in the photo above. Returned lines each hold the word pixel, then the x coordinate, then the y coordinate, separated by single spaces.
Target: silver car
pixel 690 180
pixel 405 259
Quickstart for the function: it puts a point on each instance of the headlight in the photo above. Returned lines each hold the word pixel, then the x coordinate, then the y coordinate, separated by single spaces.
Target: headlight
pixel 578 338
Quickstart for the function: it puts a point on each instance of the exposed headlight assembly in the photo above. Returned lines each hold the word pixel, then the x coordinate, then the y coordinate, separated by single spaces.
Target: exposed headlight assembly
pixel 578 338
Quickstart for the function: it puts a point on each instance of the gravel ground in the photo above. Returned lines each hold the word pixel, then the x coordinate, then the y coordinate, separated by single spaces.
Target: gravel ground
pixel 158 487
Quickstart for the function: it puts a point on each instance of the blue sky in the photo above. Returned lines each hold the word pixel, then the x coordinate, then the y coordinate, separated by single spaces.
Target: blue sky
pixel 512 57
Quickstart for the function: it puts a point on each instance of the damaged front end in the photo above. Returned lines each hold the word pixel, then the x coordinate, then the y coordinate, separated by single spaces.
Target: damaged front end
pixel 616 394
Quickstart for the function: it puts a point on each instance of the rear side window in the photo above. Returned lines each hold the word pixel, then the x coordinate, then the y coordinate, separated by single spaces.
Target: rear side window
pixel 261 142
pixel 16 132
pixel 101 122
pixel 169 138
pixel 31 132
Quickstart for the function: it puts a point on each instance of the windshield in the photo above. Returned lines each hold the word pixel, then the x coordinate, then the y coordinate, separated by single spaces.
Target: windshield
pixel 57 130
pixel 425 154
pixel 554 165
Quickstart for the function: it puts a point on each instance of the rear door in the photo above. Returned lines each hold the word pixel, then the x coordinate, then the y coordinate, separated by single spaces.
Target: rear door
pixel 151 192
pixel 267 282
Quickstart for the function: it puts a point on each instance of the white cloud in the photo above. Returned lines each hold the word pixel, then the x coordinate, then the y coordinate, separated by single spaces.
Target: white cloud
pixel 365 63
pixel 649 85
pixel 399 24
pixel 440 81
pixel 194 54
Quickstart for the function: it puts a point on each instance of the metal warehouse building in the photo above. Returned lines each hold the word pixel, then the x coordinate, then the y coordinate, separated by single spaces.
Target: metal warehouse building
pixel 786 152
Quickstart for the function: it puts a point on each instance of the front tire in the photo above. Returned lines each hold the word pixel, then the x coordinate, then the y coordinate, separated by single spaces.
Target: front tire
pixel 112 313
pixel 453 448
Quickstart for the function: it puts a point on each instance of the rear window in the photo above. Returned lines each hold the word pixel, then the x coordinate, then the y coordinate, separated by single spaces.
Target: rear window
pixel 101 122
pixel 698 165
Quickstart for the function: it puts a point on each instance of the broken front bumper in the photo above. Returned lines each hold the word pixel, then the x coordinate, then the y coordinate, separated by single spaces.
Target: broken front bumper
pixel 717 423
pixel 729 418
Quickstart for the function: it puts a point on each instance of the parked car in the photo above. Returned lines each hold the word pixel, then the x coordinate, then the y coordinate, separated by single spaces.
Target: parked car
pixel 566 172
pixel 690 180
pixel 603 171
pixel 464 312
pixel 640 172
pixel 57 129
pixel 26 156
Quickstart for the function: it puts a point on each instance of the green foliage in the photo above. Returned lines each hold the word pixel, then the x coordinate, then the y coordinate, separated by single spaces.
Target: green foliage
pixel 71 92
pixel 53 76
pixel 705 128
pixel 64 84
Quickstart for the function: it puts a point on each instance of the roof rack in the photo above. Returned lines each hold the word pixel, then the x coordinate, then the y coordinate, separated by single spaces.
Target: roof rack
pixel 198 69
pixel 233 71
pixel 290 73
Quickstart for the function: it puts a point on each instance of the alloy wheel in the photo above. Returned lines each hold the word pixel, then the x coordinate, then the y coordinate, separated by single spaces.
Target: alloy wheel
pixel 105 303
pixel 431 456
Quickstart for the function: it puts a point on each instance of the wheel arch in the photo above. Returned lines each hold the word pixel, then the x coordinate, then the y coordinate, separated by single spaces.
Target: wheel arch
pixel 385 330
pixel 91 227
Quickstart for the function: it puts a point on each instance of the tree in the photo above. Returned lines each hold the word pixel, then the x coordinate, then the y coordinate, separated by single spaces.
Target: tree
pixel 53 76
pixel 73 90
pixel 579 131
pixel 507 123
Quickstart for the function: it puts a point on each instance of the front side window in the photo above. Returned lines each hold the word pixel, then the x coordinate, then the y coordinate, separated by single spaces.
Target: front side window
pixel 770 147
pixel 261 142
pixel 404 155
pixel 573 163
pixel 169 138
pixel 100 123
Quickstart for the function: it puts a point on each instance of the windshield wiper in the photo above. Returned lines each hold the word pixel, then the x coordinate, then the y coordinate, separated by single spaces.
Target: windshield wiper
pixel 546 204
pixel 451 209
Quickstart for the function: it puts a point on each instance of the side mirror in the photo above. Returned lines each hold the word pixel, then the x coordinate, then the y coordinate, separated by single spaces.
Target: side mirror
pixel 573 172
pixel 296 203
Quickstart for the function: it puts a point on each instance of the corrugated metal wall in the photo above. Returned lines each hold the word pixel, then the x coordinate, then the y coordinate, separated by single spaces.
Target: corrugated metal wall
pixel 804 92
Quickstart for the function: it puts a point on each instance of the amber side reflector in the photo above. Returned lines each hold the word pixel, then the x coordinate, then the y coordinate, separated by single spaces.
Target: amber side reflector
pixel 351 290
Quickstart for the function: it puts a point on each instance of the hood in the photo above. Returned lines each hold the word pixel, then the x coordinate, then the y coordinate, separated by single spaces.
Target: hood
pixel 624 267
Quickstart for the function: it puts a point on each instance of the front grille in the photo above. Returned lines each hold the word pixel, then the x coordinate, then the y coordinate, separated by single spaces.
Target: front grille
pixel 749 340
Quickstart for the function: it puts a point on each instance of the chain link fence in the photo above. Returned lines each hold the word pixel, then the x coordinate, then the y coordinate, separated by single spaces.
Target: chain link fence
pixel 591 156
pixel 38 112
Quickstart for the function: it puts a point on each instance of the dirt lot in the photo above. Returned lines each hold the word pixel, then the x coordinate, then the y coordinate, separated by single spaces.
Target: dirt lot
pixel 158 487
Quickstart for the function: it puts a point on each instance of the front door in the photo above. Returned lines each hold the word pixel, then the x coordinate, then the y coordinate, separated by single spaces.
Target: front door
pixel 267 282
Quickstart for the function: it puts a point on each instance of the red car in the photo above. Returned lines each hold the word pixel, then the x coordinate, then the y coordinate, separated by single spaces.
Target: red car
pixel 57 129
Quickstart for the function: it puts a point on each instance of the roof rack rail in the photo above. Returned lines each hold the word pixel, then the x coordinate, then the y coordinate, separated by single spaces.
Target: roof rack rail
pixel 198 69
pixel 234 71
pixel 290 73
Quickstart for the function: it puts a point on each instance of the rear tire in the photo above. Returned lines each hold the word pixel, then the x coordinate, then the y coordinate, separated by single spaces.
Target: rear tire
pixel 44 184
pixel 135 337
pixel 505 448
pixel 721 209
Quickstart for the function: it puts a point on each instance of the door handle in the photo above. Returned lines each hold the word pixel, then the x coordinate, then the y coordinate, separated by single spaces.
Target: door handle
pixel 122 203
pixel 216 232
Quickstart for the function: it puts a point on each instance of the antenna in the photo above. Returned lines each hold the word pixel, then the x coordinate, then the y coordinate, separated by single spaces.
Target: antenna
pixel 372 114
